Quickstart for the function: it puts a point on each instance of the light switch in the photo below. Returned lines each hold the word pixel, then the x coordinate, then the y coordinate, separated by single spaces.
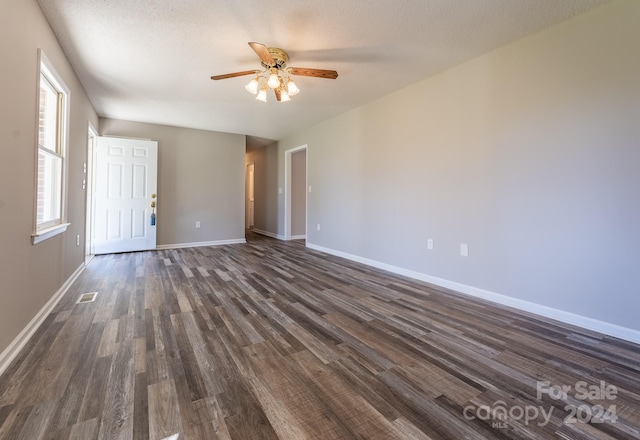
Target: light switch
pixel 430 244
pixel 197 225
pixel 464 249
pixel 309 188
pixel 279 190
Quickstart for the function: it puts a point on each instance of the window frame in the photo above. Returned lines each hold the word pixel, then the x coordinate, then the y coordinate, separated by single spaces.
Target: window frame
pixel 51 228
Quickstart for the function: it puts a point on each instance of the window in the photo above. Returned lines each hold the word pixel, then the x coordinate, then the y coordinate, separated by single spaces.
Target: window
pixel 53 106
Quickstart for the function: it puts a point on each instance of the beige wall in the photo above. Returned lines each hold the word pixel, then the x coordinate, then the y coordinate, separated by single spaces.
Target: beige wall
pixel 529 154
pixel 265 188
pixel 200 178
pixel 30 275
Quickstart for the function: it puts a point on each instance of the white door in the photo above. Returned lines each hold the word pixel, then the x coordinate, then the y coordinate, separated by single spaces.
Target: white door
pixel 126 199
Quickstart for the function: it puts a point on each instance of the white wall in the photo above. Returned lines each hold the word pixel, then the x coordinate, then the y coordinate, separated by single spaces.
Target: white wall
pixel 530 154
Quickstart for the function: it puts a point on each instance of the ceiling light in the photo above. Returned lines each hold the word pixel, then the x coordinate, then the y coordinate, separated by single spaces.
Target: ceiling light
pixel 292 88
pixel 274 79
pixel 262 94
pixel 253 86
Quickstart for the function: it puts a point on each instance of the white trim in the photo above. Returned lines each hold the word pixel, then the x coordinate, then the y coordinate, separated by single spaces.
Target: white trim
pixel 200 244
pixel 90 189
pixel 46 68
pixel 298 237
pixel 268 234
pixel 44 234
pixel 10 353
pixel 603 327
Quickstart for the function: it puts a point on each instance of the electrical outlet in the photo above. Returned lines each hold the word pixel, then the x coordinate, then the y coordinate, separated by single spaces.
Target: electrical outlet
pixel 430 244
pixel 464 249
pixel 309 188
pixel 197 225
pixel 77 240
pixel 318 226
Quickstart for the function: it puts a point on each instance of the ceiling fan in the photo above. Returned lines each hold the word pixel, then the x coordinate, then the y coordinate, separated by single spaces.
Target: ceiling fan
pixel 275 74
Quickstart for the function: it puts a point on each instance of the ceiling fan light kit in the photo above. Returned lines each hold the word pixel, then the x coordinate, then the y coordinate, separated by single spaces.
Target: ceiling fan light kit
pixel 276 75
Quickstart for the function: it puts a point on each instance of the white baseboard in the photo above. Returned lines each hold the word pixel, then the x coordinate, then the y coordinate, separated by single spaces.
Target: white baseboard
pixel 603 327
pixel 298 237
pixel 268 234
pixel 201 244
pixel 10 353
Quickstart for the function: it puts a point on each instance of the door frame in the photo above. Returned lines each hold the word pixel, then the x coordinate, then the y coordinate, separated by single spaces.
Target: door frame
pixel 89 186
pixel 287 190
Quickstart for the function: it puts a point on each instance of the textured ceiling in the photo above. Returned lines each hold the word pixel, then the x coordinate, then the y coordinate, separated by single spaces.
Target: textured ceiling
pixel 151 60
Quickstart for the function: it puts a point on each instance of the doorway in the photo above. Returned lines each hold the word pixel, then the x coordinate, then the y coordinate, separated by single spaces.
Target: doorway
pixel 295 225
pixel 249 196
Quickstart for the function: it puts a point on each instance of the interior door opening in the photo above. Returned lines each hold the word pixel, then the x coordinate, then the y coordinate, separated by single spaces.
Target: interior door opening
pixel 249 196
pixel 296 180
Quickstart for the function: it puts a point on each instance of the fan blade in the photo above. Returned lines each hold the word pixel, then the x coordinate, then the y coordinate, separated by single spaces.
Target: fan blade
pixel 263 53
pixel 316 73
pixel 278 94
pixel 233 75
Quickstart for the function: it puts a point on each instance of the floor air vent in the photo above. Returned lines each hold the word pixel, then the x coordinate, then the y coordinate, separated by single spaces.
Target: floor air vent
pixel 87 297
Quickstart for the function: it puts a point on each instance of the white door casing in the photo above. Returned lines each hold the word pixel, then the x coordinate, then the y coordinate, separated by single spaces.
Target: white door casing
pixel 126 186
pixel 90 177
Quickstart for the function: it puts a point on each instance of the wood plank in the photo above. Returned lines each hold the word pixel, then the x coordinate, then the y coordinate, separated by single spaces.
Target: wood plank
pixel 116 421
pixel 96 390
pixel 141 408
pixel 164 412
pixel 36 423
pixel 211 419
pixel 87 430
pixel 15 422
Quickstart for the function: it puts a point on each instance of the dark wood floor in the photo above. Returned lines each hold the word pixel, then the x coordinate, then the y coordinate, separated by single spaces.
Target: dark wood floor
pixel 270 340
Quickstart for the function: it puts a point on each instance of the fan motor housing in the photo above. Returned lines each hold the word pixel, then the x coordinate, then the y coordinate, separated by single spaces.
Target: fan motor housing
pixel 280 56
